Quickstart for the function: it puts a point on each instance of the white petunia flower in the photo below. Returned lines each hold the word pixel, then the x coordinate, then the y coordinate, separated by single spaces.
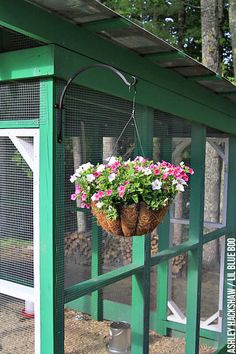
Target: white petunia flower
pixel 99 205
pixel 86 166
pixel 180 187
pixel 174 181
pixel 111 177
pixel 90 177
pixel 111 160
pixel 101 168
pixel 147 171
pixel 182 181
pixel 73 178
pixel 156 185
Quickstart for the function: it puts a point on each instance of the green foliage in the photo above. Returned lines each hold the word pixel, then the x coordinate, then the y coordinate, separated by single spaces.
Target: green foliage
pixel 178 22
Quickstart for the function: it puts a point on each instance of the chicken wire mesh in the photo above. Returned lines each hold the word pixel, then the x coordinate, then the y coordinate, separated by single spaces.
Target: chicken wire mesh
pixel 11 40
pixel 16 247
pixel 19 100
pixel 93 121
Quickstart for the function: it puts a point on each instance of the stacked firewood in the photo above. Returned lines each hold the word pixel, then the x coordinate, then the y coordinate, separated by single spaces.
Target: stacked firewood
pixel 115 250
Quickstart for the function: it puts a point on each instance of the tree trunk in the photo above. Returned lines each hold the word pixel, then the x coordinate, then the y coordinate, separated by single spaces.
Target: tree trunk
pixel 211 14
pixel 181 25
pixel 232 26
pixel 78 160
pixel 210 34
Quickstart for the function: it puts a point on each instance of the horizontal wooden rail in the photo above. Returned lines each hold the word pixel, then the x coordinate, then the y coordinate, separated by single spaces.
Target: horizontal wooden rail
pixel 96 283
pixel 215 234
pixel 173 252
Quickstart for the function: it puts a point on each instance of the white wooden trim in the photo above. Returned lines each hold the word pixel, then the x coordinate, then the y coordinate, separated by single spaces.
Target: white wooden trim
pixel 18 291
pixel 36 243
pixel 226 174
pixel 217 148
pixel 178 314
pixel 180 147
pixel 18 132
pixel 26 150
pixel 208 224
pixel 210 319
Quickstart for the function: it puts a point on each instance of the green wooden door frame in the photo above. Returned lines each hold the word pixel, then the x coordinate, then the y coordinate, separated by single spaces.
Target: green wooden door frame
pixel 51 226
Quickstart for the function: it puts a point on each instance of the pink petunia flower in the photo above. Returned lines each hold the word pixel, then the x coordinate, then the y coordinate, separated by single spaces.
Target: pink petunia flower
pixel 78 189
pixel 73 197
pixel 121 190
pixel 83 197
pixel 100 194
pixel 165 176
pixel 108 192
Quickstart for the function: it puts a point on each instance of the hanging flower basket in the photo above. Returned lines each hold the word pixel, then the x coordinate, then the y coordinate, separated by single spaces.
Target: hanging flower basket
pixel 129 198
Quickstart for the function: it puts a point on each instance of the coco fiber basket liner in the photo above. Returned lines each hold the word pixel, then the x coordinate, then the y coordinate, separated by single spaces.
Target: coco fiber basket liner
pixel 133 220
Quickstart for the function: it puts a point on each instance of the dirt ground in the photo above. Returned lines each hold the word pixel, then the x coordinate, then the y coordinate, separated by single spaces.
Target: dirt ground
pixel 82 335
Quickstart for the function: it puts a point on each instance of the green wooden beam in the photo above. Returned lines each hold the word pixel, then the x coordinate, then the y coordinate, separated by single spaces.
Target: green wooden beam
pixel 198 144
pixel 50 28
pixel 162 279
pixel 166 56
pixel 27 63
pixel 67 62
pixel 21 123
pixel 101 281
pixel 215 234
pixel 107 24
pixel 141 250
pixel 166 254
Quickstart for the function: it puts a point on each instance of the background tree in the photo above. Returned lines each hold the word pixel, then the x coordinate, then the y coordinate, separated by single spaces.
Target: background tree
pixel 232 25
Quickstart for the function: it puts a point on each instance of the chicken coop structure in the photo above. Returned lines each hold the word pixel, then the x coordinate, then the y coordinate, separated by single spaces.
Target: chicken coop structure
pixel 53 255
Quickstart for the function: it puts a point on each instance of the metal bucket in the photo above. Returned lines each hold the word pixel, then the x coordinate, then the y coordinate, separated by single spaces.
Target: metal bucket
pixel 119 338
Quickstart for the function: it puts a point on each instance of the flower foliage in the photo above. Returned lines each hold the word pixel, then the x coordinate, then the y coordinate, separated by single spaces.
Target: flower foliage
pixel 108 186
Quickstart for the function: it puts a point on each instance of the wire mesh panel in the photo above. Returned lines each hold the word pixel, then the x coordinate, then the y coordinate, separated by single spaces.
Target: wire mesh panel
pixel 19 100
pixel 16 214
pixel 11 40
pixel 93 122
pixel 18 226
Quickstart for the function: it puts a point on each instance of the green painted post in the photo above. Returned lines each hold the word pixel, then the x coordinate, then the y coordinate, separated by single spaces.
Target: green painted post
pixel 231 225
pixel 198 146
pixel 142 253
pixel 96 266
pixel 97 303
pixel 51 228
pixel 162 286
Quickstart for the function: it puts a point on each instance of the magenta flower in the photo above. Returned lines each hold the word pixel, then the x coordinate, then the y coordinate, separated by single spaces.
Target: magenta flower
pixel 121 190
pixel 96 174
pixel 165 176
pixel 100 194
pixel 83 197
pixel 83 205
pixel 73 197
pixel 157 171
pixel 78 189
pixel 108 192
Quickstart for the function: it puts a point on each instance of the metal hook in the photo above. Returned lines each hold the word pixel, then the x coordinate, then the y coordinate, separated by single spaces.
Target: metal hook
pixel 60 105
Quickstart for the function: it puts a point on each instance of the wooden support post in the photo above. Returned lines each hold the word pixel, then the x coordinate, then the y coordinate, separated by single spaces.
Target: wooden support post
pixel 51 226
pixel 162 286
pixel 142 253
pixel 198 146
